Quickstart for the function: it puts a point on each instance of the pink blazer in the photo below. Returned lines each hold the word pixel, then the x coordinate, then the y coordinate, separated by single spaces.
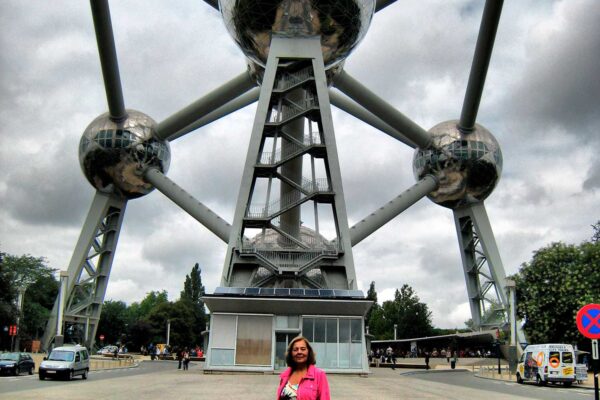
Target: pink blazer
pixel 313 386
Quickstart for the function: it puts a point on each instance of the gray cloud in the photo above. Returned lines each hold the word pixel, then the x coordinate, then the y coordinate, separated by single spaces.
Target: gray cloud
pixel 540 101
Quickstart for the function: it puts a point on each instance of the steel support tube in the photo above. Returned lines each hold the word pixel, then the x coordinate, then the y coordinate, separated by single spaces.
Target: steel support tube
pixel 347 105
pixel 381 109
pixel 381 4
pixel 234 105
pixel 108 59
pixel 199 211
pixel 393 208
pixel 209 103
pixel 481 61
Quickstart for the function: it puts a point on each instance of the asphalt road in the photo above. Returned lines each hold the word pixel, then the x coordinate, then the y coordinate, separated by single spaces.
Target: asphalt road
pixel 161 380
pixel 26 382
pixel 465 379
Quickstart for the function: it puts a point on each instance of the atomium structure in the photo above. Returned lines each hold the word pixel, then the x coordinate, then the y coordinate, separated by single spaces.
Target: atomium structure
pixel 289 267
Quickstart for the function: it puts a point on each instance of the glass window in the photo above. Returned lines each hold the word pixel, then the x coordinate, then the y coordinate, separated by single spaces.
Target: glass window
pixel 307 328
pixel 224 325
pixel 254 339
pixel 344 330
pixel 221 356
pixel 567 357
pixel 332 333
pixel 356 329
pixel 319 330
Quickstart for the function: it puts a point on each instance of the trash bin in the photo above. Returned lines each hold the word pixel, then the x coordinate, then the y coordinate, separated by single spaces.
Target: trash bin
pixel 452 364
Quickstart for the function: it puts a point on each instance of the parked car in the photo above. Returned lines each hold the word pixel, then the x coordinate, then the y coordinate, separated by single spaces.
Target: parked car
pixel 65 362
pixel 15 363
pixel 108 350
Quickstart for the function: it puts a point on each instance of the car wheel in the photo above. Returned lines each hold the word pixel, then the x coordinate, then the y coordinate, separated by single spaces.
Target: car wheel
pixel 42 376
pixel 30 372
pixel 84 375
pixel 15 371
pixel 519 379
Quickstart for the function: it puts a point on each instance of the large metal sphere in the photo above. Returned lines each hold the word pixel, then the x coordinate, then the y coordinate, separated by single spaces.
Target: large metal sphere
pixel 467 165
pixel 113 154
pixel 341 24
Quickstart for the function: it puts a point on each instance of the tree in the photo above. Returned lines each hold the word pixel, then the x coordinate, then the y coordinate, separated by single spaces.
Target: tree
pixel 371 295
pixel 192 293
pixel 36 279
pixel 596 235
pixel 113 321
pixel 412 318
pixel 553 286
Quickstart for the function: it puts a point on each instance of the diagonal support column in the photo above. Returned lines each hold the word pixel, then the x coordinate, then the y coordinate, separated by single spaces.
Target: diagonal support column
pixel 201 107
pixel 347 105
pixel 381 109
pixel 89 268
pixel 484 273
pixel 391 209
pixel 226 109
pixel 189 204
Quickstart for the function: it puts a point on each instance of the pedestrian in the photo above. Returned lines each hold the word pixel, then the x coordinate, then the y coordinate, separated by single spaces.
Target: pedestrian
pixel 426 359
pixel 186 359
pixel 179 358
pixel 302 380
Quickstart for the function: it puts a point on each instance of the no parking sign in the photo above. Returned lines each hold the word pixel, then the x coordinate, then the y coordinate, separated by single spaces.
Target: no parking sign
pixel 588 321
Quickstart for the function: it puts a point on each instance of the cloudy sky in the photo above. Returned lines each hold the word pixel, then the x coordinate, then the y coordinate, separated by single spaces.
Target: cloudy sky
pixel 541 101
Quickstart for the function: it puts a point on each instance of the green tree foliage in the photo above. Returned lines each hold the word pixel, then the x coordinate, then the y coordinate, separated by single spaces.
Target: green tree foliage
pixel 113 322
pixel 192 293
pixel 181 317
pixel 596 235
pixel 413 318
pixel 371 295
pixel 553 286
pixel 37 279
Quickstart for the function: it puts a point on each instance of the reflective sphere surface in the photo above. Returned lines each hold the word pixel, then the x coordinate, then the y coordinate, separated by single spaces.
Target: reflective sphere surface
pixel 341 24
pixel 113 155
pixel 468 166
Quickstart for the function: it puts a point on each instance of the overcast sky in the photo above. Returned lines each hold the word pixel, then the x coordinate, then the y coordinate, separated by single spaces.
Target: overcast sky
pixel 541 101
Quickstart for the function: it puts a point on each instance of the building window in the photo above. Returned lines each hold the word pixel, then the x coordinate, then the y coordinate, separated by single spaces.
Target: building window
pixel 337 341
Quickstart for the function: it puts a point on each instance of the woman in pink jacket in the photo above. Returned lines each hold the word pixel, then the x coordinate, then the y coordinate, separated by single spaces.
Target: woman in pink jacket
pixel 302 380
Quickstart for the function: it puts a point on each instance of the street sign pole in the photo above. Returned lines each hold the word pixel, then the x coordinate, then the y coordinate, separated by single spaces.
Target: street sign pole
pixel 588 323
pixel 595 363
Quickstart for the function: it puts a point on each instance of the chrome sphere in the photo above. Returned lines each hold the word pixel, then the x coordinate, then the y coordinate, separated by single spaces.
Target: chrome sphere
pixel 467 165
pixel 113 155
pixel 340 23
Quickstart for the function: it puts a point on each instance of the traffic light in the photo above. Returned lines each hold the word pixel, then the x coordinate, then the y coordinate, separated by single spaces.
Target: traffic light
pixel 12 330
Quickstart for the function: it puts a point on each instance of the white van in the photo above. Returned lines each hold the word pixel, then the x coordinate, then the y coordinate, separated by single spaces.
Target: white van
pixel 543 363
pixel 65 362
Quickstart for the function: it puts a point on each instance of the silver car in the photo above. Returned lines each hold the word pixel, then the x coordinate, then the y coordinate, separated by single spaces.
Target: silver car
pixel 65 362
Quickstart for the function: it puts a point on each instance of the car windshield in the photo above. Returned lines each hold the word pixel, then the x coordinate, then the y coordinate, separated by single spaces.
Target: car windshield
pixel 61 355
pixel 9 356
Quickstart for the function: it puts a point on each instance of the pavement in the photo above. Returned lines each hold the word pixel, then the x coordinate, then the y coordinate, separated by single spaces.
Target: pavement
pixel 381 383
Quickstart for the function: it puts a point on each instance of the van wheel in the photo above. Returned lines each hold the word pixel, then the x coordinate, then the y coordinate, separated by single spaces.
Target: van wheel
pixel 519 379
pixel 84 375
pixel 71 375
pixel 567 384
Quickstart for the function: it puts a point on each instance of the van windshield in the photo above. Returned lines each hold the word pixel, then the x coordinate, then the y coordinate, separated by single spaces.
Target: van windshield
pixel 567 357
pixel 61 355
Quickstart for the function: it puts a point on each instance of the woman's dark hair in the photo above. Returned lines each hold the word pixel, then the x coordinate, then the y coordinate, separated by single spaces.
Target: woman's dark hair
pixel 310 360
